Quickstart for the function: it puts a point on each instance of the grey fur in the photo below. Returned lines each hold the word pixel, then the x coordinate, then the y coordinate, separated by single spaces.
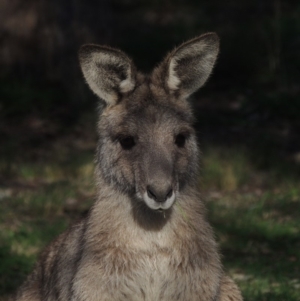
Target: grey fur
pixel 146 237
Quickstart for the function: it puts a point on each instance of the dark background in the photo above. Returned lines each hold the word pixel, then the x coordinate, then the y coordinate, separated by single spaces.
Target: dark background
pixel 255 85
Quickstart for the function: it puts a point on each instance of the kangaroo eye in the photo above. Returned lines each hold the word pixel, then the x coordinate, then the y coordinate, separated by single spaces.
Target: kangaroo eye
pixel 180 140
pixel 127 142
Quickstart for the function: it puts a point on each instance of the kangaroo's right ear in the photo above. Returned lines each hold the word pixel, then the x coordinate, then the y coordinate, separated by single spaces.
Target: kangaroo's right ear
pixel 109 72
pixel 187 67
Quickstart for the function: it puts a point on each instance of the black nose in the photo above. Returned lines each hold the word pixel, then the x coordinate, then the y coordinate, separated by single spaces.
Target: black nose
pixel 159 194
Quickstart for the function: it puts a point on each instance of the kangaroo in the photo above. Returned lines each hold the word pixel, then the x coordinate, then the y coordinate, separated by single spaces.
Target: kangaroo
pixel 146 237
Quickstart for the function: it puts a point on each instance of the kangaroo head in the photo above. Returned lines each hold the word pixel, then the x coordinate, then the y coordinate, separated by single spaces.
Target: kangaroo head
pixel 147 145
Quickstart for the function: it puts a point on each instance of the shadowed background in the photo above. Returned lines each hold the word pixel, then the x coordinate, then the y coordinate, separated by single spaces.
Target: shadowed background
pixel 247 120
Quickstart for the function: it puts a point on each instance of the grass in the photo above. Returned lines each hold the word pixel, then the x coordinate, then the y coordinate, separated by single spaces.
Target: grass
pixel 255 212
pixel 256 218
pixel 43 189
pixel 259 238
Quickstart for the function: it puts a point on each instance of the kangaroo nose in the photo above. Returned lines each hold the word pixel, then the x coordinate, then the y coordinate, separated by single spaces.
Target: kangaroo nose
pixel 159 194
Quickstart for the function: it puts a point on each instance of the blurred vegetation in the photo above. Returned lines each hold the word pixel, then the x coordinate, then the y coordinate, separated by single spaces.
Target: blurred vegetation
pixel 247 120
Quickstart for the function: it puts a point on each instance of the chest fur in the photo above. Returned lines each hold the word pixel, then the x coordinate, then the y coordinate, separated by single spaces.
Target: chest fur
pixel 135 265
pixel 158 276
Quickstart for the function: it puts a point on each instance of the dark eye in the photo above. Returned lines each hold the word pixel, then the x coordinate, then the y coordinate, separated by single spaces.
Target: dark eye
pixel 127 142
pixel 180 140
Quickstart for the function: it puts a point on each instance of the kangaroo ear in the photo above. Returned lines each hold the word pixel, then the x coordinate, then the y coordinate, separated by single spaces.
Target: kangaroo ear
pixel 109 72
pixel 189 65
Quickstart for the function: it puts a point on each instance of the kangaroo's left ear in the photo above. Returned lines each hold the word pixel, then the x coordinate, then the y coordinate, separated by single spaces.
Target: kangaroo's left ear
pixel 189 66
pixel 109 72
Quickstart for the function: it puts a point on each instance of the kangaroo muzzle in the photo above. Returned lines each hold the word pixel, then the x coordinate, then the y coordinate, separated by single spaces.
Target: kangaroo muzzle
pixel 159 204
pixel 160 189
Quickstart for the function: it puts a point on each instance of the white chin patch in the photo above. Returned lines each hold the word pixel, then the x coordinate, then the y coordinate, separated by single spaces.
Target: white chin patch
pixel 152 204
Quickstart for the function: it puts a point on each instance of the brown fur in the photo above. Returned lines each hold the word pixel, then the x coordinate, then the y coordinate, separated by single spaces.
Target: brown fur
pixel 146 237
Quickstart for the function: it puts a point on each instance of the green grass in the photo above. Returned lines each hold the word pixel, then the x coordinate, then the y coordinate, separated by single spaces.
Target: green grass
pixel 260 241
pixel 224 169
pixel 255 214
pixel 39 200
